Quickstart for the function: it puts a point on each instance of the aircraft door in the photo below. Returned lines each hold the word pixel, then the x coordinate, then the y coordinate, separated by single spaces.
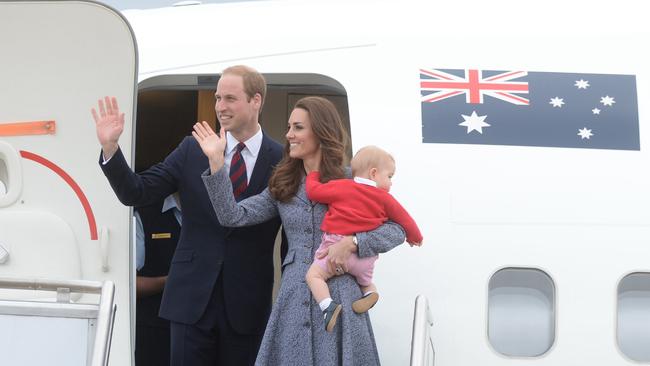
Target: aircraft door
pixel 59 218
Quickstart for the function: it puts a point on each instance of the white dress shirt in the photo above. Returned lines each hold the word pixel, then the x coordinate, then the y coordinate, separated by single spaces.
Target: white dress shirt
pixel 249 154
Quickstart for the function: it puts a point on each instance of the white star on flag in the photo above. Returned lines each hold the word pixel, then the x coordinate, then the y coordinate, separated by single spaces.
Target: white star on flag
pixel 557 102
pixel 585 133
pixel 607 100
pixel 582 84
pixel 474 122
pixel 595 111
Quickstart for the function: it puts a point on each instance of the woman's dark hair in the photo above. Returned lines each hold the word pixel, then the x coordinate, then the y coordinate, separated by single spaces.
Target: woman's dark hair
pixel 327 126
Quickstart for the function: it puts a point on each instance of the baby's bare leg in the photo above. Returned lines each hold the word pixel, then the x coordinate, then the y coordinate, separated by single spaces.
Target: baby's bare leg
pixel 316 280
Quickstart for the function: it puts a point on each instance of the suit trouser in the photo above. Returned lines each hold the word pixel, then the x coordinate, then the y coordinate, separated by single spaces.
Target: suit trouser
pixel 152 345
pixel 212 341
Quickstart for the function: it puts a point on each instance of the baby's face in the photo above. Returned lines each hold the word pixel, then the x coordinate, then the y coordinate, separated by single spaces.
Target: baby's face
pixel 384 175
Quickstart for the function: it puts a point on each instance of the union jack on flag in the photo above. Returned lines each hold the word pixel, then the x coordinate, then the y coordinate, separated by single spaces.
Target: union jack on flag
pixel 474 85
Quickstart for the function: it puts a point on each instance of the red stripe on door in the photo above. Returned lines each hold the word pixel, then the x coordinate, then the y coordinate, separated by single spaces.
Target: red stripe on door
pixel 75 187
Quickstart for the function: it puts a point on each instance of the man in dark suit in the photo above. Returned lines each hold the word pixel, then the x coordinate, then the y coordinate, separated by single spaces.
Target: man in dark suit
pixel 218 291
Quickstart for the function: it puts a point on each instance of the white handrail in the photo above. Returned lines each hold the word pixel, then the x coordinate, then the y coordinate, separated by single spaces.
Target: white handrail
pixel 105 321
pixel 422 352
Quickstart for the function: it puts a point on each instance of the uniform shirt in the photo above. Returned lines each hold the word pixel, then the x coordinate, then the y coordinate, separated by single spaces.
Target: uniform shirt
pixel 169 204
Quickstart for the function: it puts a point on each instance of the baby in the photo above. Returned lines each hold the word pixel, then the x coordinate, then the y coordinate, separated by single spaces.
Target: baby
pixel 357 205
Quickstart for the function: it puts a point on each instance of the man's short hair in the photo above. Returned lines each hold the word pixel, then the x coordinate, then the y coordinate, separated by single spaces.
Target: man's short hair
pixel 254 82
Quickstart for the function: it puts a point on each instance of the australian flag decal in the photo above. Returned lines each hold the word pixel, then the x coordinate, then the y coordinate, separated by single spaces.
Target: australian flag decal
pixel 594 111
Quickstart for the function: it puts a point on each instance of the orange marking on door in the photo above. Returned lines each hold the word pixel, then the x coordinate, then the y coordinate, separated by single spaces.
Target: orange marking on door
pixel 92 223
pixel 28 128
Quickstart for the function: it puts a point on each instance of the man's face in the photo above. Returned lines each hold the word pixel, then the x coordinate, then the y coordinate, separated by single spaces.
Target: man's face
pixel 235 111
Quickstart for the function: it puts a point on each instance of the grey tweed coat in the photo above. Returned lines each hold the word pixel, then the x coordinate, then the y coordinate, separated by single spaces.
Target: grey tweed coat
pixel 295 333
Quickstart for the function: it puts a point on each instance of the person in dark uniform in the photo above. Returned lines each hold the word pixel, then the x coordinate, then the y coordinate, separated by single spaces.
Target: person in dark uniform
pixel 158 228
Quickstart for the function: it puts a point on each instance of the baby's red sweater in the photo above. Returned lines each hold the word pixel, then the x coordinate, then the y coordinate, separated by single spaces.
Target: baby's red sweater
pixel 354 207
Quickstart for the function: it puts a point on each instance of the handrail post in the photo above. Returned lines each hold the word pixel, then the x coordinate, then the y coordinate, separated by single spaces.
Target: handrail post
pixel 421 337
pixel 101 348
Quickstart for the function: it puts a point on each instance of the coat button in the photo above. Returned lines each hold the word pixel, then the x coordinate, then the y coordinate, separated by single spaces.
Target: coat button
pixel 307 325
pixel 306 303
pixel 308 230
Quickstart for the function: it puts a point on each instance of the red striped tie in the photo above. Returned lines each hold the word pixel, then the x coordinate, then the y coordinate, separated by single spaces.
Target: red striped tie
pixel 238 175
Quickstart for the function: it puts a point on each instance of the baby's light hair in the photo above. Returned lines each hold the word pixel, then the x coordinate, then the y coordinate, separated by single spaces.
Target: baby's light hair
pixel 369 157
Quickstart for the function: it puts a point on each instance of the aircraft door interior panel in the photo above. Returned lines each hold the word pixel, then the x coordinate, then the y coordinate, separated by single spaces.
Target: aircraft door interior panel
pixel 37 244
pixel 32 243
pixel 10 175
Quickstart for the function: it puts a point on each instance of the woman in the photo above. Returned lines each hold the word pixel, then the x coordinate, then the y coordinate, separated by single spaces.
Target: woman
pixel 295 334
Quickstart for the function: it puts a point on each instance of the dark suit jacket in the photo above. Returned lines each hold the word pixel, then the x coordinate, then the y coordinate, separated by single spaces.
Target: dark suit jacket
pixel 206 250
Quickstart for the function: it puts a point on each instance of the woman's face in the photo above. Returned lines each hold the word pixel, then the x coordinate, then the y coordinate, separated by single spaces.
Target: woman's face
pixel 303 143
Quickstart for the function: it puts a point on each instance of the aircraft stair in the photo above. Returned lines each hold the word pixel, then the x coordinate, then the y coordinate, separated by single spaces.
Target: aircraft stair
pixel 72 327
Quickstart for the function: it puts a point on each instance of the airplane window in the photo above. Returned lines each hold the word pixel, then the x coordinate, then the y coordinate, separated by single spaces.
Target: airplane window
pixel 633 316
pixel 521 312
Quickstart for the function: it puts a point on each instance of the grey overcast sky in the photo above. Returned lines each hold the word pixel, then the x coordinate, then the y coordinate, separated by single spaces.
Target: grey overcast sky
pixel 148 4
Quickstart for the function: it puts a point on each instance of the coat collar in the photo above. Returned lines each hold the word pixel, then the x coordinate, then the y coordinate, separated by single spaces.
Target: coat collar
pixel 302 193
